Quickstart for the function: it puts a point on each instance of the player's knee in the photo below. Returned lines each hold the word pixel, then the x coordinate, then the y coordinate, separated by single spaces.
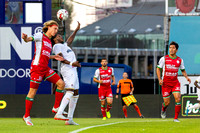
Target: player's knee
pixel 177 100
pixel 167 103
pixel 60 84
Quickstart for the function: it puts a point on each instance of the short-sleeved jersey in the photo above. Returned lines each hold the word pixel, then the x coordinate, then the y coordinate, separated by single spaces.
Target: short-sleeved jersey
pixel 67 53
pixel 105 76
pixel 126 85
pixel 170 68
pixel 43 48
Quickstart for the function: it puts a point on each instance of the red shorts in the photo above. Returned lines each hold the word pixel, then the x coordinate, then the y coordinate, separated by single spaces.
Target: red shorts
pixel 37 77
pixel 168 90
pixel 105 93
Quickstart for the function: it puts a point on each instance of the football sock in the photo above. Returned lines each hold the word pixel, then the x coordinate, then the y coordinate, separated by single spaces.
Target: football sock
pixel 125 112
pixel 196 106
pixel 28 106
pixel 109 106
pixel 164 107
pixel 58 97
pixel 72 106
pixel 103 110
pixel 177 110
pixel 138 110
pixel 65 101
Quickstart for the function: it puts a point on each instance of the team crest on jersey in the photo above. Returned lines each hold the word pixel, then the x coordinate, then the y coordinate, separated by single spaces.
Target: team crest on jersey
pixel 109 71
pixel 178 61
pixel 69 50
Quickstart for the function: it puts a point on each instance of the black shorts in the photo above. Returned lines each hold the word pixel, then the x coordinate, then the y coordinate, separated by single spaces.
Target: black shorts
pixel 125 95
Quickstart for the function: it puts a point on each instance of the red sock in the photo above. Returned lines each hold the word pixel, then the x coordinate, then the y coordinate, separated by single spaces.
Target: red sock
pixel 164 107
pixel 138 110
pixel 28 106
pixel 125 112
pixel 177 110
pixel 58 97
pixel 109 106
pixel 103 110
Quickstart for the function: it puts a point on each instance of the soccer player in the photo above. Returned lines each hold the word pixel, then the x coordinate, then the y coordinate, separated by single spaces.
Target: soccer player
pixel 170 65
pixel 195 106
pixel 69 73
pixel 103 76
pixel 127 89
pixel 39 67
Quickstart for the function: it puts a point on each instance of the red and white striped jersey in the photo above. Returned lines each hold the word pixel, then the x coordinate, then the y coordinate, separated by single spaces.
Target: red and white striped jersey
pixel 170 68
pixel 105 76
pixel 42 53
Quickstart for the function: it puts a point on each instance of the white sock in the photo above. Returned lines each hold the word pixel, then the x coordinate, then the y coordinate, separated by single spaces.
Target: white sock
pixel 65 101
pixel 196 106
pixel 72 106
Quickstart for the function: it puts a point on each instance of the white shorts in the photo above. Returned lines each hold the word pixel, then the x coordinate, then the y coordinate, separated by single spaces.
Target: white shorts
pixel 70 77
pixel 198 94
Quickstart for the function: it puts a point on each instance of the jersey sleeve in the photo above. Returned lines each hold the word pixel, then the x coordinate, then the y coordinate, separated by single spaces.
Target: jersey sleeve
pixel 161 62
pixel 182 67
pixel 119 84
pixel 96 75
pixel 112 71
pixel 37 37
pixel 57 49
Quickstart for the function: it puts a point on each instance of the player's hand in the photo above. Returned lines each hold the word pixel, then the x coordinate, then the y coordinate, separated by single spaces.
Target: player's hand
pixel 188 79
pixel 116 96
pixel 161 82
pixel 100 81
pixel 76 64
pixel 131 93
pixel 113 83
pixel 24 36
pixel 58 57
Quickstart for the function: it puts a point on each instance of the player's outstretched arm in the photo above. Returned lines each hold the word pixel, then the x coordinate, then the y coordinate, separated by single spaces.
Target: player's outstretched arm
pixel 26 38
pixel 185 75
pixel 72 36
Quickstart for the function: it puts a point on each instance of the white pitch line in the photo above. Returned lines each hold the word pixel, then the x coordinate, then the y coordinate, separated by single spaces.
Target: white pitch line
pixel 85 128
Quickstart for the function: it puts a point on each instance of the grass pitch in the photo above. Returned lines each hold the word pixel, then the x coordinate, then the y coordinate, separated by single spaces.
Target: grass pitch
pixel 96 125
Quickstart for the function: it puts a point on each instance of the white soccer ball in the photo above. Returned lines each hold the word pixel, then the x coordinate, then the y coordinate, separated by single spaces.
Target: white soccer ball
pixel 62 14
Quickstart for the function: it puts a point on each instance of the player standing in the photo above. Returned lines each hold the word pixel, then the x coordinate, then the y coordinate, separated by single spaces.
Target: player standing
pixel 39 67
pixel 170 84
pixel 127 89
pixel 195 106
pixel 103 76
pixel 69 73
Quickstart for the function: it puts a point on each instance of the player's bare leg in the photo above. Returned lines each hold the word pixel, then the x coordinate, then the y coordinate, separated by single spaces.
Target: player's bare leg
pixel 103 109
pixel 165 104
pixel 177 97
pixel 28 105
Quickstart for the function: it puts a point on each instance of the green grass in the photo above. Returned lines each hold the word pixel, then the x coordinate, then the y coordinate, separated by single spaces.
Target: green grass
pixel 130 125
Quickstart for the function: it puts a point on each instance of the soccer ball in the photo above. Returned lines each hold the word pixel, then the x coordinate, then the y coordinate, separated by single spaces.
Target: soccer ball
pixel 62 14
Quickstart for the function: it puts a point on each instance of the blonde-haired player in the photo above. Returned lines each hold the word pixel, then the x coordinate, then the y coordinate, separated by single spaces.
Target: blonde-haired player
pixel 39 67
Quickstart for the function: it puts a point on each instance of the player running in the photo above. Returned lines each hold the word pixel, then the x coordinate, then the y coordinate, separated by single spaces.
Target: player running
pixel 195 106
pixel 39 67
pixel 127 89
pixel 170 84
pixel 103 76
pixel 69 73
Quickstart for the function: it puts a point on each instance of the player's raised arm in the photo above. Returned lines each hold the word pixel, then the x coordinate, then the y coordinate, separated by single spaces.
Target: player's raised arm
pixel 72 36
pixel 26 38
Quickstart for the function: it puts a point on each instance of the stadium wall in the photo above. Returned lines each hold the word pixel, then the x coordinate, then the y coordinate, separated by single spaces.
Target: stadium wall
pixel 89 107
